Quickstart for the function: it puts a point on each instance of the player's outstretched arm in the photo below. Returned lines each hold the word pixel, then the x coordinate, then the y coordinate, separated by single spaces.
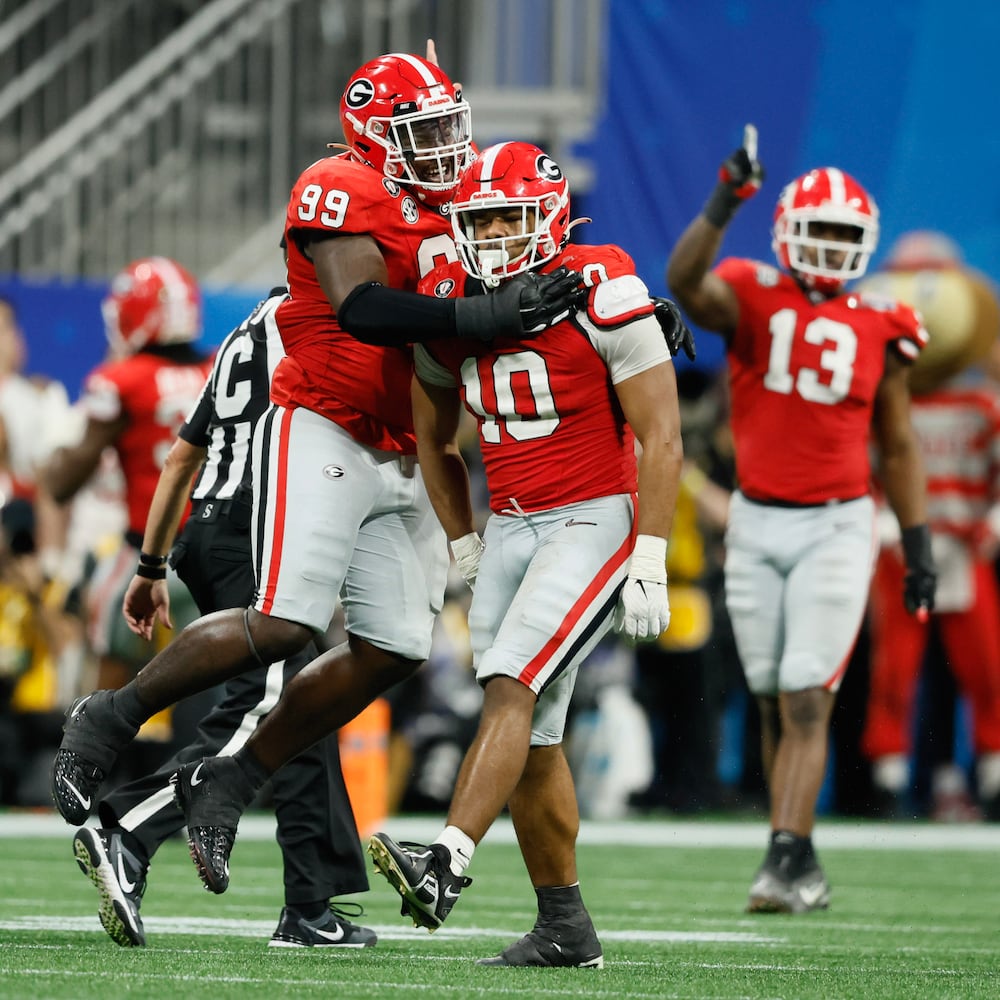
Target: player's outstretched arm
pixel 706 298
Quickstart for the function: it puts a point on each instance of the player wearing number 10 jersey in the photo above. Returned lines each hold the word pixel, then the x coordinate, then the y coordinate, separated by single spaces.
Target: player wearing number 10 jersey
pixel 814 372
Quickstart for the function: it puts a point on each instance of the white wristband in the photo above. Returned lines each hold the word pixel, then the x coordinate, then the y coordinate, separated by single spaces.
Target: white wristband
pixel 649 559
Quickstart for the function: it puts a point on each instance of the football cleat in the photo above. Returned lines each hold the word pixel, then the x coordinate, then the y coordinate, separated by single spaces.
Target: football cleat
pixel 421 875
pixel 93 735
pixel 556 944
pixel 774 892
pixel 334 930
pixel 212 793
pixel 120 878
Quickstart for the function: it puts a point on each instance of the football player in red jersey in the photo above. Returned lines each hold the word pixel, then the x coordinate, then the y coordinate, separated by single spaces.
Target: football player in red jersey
pixel 339 504
pixel 134 402
pixel 814 371
pixel 577 539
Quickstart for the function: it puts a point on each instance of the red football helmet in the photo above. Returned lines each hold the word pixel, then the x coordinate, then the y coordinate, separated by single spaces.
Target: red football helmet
pixel 511 176
pixel 825 197
pixel 404 117
pixel 152 301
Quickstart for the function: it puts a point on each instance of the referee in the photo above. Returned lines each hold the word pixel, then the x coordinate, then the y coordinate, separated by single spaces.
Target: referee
pixel 320 846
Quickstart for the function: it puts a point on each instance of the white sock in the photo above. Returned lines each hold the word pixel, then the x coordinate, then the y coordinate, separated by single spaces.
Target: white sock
pixel 891 772
pixel 988 774
pixel 948 779
pixel 460 847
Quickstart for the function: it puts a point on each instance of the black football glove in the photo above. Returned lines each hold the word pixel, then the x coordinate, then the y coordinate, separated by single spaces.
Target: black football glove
pixel 920 581
pixel 675 330
pixel 526 304
pixel 740 178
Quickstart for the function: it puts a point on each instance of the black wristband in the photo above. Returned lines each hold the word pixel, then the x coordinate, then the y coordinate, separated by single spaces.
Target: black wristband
pixel 721 205
pixel 145 559
pixel 151 572
pixel 917 547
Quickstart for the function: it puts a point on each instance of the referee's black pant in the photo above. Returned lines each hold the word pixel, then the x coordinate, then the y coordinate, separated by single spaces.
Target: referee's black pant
pixel 320 846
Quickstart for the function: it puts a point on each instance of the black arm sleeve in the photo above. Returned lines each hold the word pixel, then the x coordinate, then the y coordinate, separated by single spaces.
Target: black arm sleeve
pixel 389 317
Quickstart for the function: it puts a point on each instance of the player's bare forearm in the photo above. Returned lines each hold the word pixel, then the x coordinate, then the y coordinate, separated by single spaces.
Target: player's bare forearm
pixel 649 402
pixel 436 413
pixel 901 466
pixel 70 467
pixel 705 297
pixel 170 497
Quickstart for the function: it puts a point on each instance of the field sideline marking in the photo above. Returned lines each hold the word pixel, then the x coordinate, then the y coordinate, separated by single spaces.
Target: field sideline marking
pixel 864 835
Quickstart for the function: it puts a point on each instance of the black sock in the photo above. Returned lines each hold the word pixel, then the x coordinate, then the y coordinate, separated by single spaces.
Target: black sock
pixel 126 702
pixel 559 902
pixel 791 853
pixel 132 843
pixel 311 911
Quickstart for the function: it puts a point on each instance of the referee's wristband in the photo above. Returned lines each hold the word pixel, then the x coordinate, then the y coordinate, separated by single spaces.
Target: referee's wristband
pixel 145 559
pixel 151 572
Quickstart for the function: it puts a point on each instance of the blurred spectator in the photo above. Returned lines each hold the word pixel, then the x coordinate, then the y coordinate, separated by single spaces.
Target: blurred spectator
pixel 29 636
pixel 956 415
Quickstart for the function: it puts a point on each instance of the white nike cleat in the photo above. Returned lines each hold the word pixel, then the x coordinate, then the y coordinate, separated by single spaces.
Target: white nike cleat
pixel 773 892
pixel 334 931
pixel 120 878
pixel 421 875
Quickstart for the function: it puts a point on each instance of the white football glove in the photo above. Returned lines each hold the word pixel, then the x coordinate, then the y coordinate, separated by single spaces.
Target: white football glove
pixel 468 550
pixel 643 611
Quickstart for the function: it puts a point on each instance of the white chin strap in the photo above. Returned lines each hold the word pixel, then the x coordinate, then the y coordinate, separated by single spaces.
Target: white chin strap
pixel 492 263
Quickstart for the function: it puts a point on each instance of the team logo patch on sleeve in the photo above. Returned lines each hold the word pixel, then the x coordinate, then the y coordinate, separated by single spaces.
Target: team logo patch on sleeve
pixel 444 288
pixel 408 207
pixel 391 186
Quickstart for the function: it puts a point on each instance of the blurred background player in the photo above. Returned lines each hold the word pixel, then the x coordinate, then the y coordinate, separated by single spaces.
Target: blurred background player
pixel 956 415
pixel 134 402
pixel 362 226
pixel 562 556
pixel 320 847
pixel 813 371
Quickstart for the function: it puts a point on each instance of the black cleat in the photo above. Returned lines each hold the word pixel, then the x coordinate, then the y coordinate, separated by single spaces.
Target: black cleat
pixel 93 735
pixel 421 875
pixel 333 931
pixel 212 793
pixel 555 944
pixel 120 878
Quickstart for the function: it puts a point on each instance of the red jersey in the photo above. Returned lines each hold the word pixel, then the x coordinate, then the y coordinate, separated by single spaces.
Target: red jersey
pixel 959 431
pixel 803 377
pixel 363 388
pixel 154 394
pixel 551 431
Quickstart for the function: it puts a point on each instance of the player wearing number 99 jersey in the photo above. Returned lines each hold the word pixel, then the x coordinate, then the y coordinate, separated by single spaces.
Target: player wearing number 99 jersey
pixel 815 372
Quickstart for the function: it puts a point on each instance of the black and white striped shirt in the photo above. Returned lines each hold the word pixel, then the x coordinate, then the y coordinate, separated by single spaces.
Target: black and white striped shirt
pixel 236 394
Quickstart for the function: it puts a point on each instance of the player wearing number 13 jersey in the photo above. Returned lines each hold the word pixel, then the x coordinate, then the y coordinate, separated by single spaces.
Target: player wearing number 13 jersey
pixel 815 372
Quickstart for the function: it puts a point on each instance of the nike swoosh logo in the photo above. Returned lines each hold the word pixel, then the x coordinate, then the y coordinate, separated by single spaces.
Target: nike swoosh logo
pixel 123 880
pixel 572 522
pixel 195 780
pixel 84 800
pixel 449 893
pixel 811 894
pixel 78 706
pixel 330 935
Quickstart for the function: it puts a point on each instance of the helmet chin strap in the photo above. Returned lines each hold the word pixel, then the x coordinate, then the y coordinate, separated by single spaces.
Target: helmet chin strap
pixel 492 263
